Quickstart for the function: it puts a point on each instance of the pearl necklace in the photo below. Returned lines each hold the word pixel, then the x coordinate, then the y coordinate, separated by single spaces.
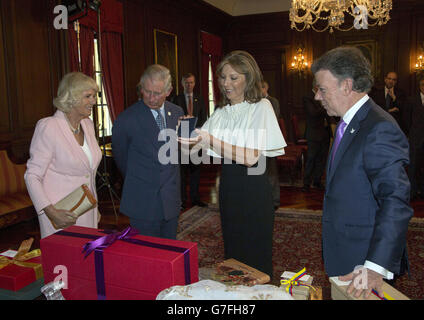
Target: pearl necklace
pixel 74 130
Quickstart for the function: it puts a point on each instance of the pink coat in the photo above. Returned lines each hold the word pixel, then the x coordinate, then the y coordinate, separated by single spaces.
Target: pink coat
pixel 58 165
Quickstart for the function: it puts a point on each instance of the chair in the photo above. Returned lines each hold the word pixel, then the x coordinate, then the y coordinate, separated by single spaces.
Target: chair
pixel 298 137
pixel 292 159
pixel 15 203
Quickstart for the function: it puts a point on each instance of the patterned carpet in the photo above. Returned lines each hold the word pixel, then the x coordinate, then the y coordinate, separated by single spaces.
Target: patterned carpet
pixel 297 244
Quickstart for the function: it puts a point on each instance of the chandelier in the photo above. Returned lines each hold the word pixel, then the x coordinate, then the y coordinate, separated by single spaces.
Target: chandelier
pixel 332 13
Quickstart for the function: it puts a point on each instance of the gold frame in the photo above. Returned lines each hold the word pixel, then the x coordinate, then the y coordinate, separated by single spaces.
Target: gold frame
pixel 166 44
pixel 370 50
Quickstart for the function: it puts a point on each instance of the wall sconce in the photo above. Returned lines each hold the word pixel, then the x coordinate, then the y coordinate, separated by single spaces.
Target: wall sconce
pixel 419 65
pixel 299 62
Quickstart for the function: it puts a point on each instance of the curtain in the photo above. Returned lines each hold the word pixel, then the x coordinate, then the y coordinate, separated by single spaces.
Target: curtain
pixel 86 50
pixel 211 50
pixel 111 26
pixel 112 72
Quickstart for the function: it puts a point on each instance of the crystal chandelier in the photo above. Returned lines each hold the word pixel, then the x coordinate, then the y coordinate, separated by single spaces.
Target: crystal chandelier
pixel 332 13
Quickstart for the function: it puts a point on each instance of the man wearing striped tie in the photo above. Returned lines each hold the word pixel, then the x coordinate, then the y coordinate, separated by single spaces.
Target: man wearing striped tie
pixel 151 190
pixel 366 203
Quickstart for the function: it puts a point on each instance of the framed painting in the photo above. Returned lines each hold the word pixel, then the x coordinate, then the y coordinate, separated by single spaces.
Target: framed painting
pixel 166 53
pixel 370 50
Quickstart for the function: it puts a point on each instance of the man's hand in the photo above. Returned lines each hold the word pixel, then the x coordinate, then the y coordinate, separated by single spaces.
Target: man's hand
pixel 391 92
pixel 363 280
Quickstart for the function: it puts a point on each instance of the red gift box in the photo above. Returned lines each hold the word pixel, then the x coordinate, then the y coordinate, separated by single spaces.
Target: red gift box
pixel 22 270
pixel 138 268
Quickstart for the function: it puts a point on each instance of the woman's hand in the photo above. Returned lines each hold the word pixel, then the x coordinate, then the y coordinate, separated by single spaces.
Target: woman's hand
pixel 60 218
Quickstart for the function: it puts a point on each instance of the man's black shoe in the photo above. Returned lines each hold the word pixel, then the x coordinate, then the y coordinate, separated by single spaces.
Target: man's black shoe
pixel 199 203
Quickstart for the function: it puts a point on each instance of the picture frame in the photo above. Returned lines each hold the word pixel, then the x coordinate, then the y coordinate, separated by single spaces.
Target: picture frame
pixel 370 50
pixel 166 53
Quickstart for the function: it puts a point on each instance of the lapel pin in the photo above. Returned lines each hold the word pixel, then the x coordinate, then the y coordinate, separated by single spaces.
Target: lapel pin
pixel 169 113
pixel 352 130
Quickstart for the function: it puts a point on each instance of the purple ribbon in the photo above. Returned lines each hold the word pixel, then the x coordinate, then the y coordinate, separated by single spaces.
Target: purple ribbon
pixel 105 241
pixel 99 244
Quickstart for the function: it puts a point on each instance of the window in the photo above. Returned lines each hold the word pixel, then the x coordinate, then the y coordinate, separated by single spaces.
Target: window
pixel 100 114
pixel 210 89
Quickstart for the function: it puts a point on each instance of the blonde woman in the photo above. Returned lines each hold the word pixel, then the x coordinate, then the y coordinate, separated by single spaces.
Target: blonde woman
pixel 64 154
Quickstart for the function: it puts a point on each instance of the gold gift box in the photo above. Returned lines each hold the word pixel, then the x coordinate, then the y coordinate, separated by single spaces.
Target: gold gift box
pixel 299 292
pixel 339 292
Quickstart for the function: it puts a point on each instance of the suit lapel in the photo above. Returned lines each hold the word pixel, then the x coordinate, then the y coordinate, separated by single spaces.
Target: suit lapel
pixel 147 121
pixel 69 137
pixel 350 133
pixel 171 121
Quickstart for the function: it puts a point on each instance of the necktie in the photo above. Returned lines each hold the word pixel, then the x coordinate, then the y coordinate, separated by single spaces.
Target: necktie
pixel 190 105
pixel 388 101
pixel 339 135
pixel 159 120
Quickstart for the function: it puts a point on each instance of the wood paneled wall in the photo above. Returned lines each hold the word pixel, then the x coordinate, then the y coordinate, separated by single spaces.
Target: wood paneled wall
pixel 31 63
pixel 185 18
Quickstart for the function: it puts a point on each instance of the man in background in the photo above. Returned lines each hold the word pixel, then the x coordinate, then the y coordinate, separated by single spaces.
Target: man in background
pixel 416 141
pixel 192 105
pixel 271 165
pixel 317 133
pixel 392 99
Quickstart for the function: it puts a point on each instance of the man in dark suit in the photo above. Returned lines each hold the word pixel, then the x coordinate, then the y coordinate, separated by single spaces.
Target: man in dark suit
pixel 317 133
pixel 271 162
pixel 193 105
pixel 366 204
pixel 416 141
pixel 274 102
pixel 391 98
pixel 151 190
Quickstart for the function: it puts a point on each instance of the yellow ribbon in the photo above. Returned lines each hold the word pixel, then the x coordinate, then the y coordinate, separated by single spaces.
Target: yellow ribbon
pixel 22 256
pixel 387 296
pixel 292 282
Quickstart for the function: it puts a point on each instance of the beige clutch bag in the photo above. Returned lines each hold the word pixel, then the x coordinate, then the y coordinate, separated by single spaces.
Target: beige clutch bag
pixel 78 201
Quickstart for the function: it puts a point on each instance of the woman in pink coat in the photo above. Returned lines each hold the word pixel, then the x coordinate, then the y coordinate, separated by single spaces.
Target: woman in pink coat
pixel 64 154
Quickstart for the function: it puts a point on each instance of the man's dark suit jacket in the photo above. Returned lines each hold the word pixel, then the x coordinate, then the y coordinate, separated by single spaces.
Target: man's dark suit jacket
pixel 379 97
pixel 151 190
pixel 198 107
pixel 416 121
pixel 366 203
pixel 316 129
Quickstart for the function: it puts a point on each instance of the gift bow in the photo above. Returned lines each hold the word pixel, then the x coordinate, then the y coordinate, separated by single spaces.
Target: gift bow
pixel 23 255
pixel 107 240
pixel 293 281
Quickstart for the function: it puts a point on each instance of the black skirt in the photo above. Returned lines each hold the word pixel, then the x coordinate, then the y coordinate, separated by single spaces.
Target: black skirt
pixel 247 216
